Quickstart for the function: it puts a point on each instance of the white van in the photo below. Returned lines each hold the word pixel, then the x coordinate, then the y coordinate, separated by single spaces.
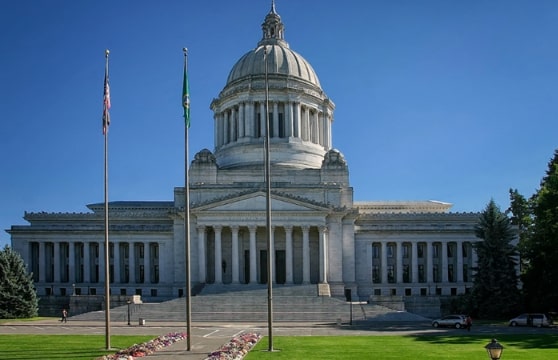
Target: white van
pixel 531 319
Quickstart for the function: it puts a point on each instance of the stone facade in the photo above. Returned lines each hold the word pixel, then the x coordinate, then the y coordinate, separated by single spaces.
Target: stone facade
pixel 319 235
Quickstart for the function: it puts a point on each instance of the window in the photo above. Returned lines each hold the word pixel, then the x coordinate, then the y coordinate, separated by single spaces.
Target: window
pixel 407 292
pixel 421 277
pixel 420 250
pixel 450 273
pixel 154 292
pixel 406 251
pixel 465 249
pixel 390 274
pixel 375 251
pixel 435 250
pixel 422 291
pixel 390 250
pixel 435 273
pixel 375 274
pixel 450 250
pixel 406 274
pixel 465 272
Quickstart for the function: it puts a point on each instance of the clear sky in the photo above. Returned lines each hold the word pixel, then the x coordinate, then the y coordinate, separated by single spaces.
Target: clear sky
pixel 443 100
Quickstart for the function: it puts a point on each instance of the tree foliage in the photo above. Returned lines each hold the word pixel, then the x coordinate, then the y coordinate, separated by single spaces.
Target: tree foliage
pixel 540 249
pixel 18 298
pixel 495 292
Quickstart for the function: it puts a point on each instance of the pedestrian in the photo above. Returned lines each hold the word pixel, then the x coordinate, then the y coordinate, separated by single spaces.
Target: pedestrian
pixel 468 323
pixel 64 316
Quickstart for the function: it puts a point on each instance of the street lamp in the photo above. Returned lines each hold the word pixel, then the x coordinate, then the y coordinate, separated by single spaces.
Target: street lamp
pixel 128 302
pixel 494 349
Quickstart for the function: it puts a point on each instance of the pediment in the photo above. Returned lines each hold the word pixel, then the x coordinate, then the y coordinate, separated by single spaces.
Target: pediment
pixel 257 202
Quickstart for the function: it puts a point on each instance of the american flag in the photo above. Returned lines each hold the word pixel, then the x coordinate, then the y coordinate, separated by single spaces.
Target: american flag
pixel 106 102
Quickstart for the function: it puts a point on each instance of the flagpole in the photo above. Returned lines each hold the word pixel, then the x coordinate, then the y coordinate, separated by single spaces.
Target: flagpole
pixel 106 122
pixel 268 213
pixel 186 105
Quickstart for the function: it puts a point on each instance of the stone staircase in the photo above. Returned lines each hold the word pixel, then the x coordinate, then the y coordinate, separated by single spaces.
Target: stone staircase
pixel 246 303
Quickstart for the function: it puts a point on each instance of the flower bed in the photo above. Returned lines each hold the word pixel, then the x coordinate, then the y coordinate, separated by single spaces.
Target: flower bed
pixel 237 348
pixel 141 350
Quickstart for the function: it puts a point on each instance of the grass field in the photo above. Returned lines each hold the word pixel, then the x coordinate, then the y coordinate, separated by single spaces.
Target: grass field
pixel 516 347
pixel 462 346
pixel 74 347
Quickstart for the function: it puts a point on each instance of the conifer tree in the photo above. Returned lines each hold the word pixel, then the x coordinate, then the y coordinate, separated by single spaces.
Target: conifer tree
pixel 541 249
pixel 18 298
pixel 495 292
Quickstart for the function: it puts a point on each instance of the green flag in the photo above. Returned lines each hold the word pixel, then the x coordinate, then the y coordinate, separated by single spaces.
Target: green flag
pixel 186 93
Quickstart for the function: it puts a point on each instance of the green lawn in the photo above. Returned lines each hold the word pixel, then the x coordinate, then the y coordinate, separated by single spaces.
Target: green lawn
pixel 47 347
pixel 463 346
pixel 516 347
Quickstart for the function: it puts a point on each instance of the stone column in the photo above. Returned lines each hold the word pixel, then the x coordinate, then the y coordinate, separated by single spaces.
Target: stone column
pixel 323 231
pixel 296 121
pixel 218 256
pixel 253 258
pixel 234 125
pixel 262 119
pixel 226 131
pixel 383 254
pixel 201 255
pixel 306 254
pixel 241 121
pixel 56 265
pixel 459 252
pixel 72 262
pixel 399 262
pixel 429 263
pixel 289 254
pixel 275 120
pixel 414 262
pixel 86 263
pixel 249 119
pixel 235 269
pixel 288 119
pixel 42 262
pixel 101 262
pixel 132 262
pixel 147 263
pixel 116 261
pixel 444 246
pixel 216 130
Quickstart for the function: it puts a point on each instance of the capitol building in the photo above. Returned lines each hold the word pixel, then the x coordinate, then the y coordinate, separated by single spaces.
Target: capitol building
pixel 319 234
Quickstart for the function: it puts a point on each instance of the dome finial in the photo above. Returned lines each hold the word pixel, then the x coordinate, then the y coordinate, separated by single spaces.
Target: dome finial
pixel 273 29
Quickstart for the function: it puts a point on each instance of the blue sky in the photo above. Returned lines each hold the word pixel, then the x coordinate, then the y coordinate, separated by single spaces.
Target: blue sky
pixel 443 100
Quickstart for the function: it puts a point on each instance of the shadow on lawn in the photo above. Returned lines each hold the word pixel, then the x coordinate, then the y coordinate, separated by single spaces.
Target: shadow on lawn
pixel 521 341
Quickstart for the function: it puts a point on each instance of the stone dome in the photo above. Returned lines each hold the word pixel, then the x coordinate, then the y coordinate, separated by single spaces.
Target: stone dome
pixel 280 60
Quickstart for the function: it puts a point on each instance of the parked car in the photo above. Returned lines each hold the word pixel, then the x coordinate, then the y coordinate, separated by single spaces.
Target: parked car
pixel 456 321
pixel 531 319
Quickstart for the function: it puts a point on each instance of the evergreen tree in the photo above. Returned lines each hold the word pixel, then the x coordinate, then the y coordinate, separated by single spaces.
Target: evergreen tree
pixel 495 293
pixel 18 298
pixel 541 250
